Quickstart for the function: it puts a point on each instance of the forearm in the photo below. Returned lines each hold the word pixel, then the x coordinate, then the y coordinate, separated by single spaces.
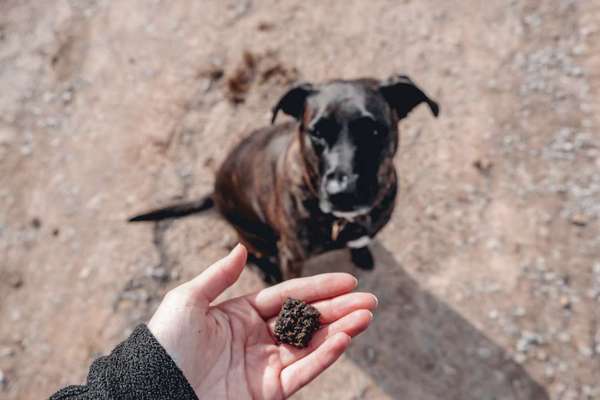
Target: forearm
pixel 138 368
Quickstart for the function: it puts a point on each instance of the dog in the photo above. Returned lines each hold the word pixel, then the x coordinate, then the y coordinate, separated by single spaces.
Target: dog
pixel 323 182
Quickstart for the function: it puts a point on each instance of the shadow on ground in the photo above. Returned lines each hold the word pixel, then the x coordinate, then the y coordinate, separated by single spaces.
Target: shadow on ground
pixel 420 348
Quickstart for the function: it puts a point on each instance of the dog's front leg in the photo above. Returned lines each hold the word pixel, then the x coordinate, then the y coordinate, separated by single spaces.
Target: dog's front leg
pixel 360 253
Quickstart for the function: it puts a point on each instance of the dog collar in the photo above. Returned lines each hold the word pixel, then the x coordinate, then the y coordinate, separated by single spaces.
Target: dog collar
pixel 352 230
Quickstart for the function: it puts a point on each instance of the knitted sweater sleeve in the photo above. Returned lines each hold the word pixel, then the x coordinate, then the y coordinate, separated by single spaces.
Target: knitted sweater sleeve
pixel 138 368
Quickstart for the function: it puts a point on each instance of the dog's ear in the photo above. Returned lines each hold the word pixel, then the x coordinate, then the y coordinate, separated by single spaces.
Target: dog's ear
pixel 293 101
pixel 403 95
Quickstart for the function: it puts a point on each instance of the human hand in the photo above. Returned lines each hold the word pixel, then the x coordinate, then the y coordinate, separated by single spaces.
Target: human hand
pixel 228 351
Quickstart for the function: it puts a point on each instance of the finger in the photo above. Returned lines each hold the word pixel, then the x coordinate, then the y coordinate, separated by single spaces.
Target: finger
pixel 333 309
pixel 352 325
pixel 268 302
pixel 305 370
pixel 219 276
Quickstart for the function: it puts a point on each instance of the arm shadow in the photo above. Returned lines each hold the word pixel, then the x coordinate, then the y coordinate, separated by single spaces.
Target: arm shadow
pixel 419 348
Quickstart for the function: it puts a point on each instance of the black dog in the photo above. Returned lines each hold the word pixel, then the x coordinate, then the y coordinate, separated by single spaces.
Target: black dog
pixel 295 190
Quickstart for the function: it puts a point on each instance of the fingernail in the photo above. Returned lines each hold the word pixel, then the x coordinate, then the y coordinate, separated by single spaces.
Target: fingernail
pixel 236 248
pixel 355 281
pixel 376 300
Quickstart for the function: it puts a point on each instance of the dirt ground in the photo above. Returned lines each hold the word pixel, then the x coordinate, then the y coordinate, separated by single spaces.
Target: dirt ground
pixel 488 274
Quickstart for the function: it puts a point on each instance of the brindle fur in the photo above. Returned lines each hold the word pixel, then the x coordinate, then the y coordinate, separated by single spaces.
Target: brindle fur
pixel 282 222
pixel 268 186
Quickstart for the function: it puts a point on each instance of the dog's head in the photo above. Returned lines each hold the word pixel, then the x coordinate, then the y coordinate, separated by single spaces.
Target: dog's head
pixel 348 131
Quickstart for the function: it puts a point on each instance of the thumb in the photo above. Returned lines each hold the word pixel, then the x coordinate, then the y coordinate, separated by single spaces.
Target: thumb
pixel 219 276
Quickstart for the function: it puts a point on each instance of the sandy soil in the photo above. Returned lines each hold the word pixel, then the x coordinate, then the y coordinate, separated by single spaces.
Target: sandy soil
pixel 489 273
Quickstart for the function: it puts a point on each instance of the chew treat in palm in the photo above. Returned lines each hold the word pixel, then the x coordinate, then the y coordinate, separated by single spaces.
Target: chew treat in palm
pixel 296 323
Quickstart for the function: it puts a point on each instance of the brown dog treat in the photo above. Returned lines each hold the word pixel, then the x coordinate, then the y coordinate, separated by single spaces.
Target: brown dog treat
pixel 296 323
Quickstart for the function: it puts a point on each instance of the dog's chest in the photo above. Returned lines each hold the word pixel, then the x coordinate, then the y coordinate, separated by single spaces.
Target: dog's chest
pixel 324 233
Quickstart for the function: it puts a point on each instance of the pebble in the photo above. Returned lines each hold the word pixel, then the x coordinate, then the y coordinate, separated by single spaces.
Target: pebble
pixel 549 371
pixel 564 337
pixel 449 370
pixel 579 219
pixel 586 351
pixel 15 281
pixel 159 273
pixel 527 340
pixel 7 352
pixel 371 354
pixel 67 96
pixel 520 358
pixel 15 315
pixel 565 302
pixel 484 352
pixel 519 312
pixel 84 273
pixel 562 366
pixel 541 355
pixel 483 165
pixel 7 135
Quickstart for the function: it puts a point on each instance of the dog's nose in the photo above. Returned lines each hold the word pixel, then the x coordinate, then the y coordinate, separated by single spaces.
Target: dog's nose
pixel 339 182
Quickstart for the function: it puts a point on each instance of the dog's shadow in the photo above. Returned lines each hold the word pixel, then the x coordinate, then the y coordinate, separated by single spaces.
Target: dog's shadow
pixel 419 348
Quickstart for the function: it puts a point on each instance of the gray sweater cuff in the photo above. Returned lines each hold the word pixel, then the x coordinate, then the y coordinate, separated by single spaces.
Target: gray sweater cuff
pixel 138 368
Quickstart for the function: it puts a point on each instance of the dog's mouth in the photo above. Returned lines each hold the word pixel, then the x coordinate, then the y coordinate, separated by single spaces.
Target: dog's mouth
pixel 348 213
pixel 350 201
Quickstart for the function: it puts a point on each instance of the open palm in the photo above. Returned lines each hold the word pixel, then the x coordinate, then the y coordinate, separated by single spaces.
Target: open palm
pixel 228 351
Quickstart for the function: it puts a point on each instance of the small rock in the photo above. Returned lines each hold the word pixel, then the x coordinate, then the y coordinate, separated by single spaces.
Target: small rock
pixel 565 302
pixel 26 150
pixel 265 26
pixel 48 97
pixel 15 280
pixel 580 49
pixel 560 388
pixel 586 351
pixel 520 358
pixel 449 370
pixel 371 354
pixel 7 135
pixel 7 352
pixel 160 274
pixel 67 96
pixel 579 219
pixel 483 165
pixel 564 337
pixel 562 366
pixel 484 352
pixel 519 312
pixel 541 355
pixel 15 315
pixel 36 223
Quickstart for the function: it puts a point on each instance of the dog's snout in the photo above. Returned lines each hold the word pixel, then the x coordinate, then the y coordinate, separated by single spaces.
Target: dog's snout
pixel 339 182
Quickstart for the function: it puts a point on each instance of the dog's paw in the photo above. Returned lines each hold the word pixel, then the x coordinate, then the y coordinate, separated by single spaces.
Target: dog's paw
pixel 363 258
